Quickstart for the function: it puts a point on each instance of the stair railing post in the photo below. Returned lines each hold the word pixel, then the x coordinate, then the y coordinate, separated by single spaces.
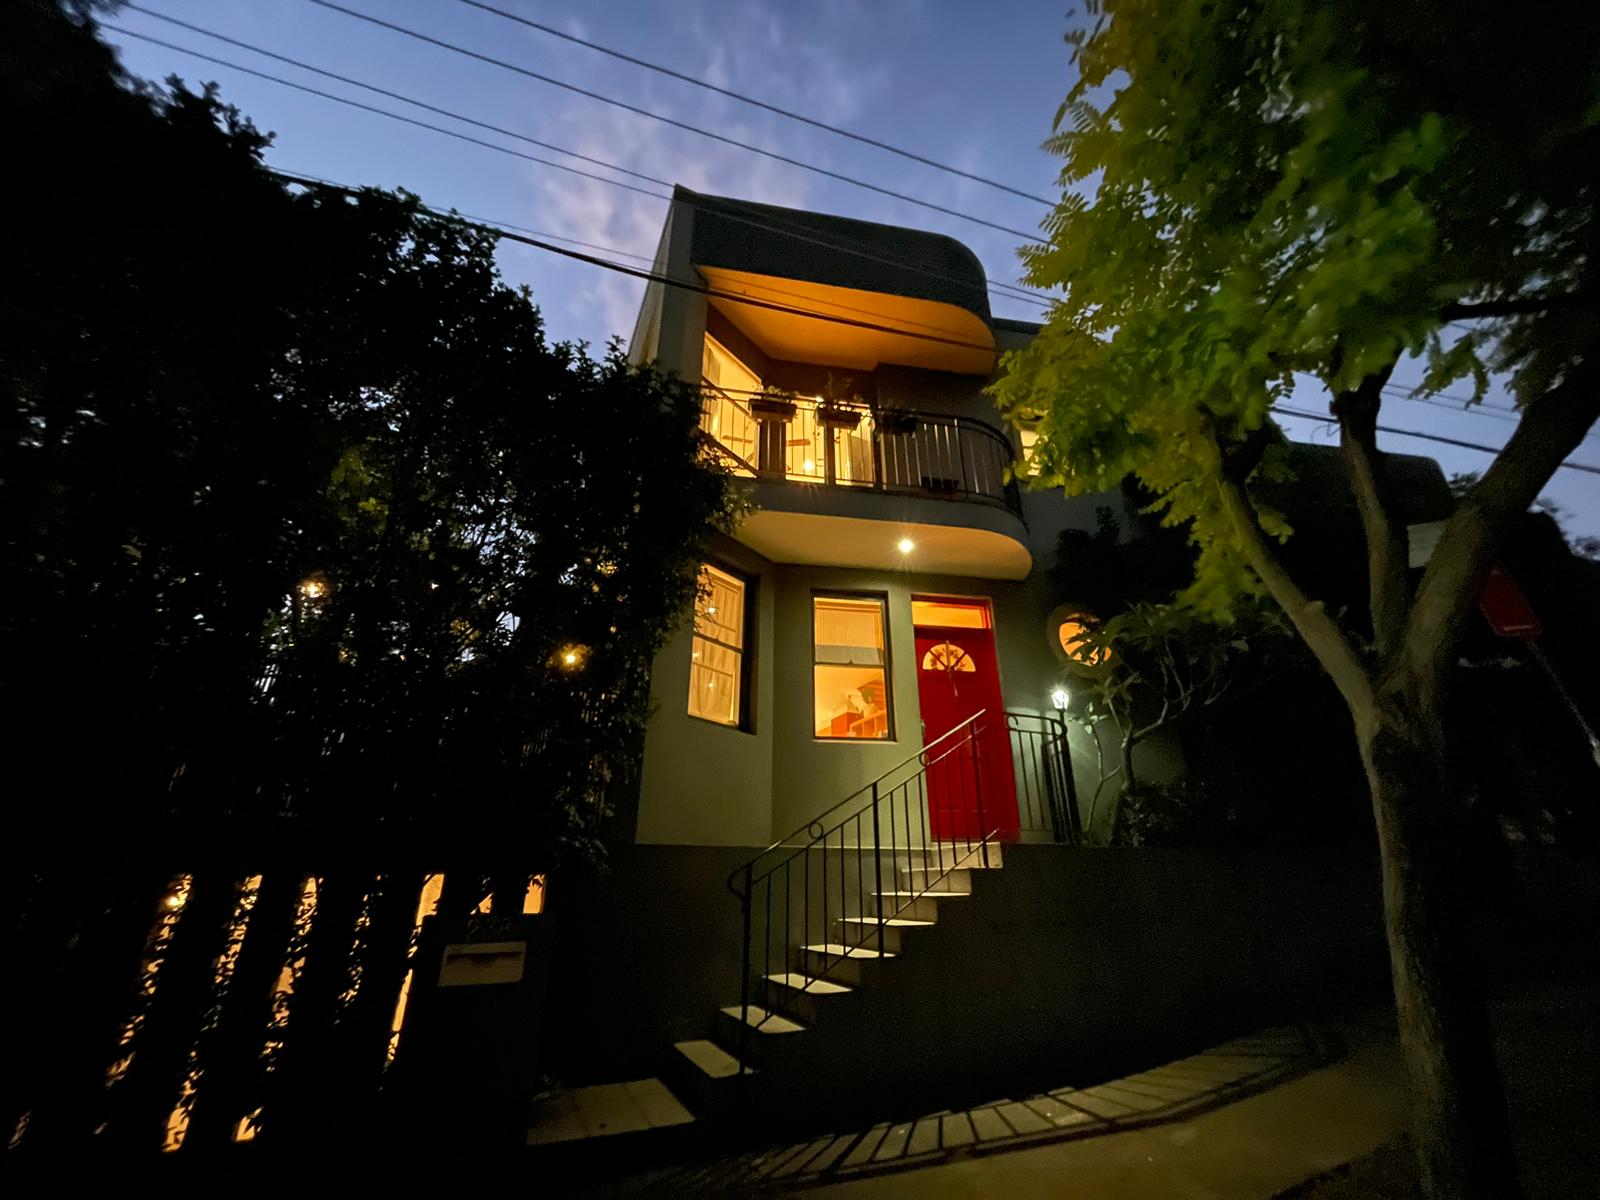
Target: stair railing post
pixel 977 787
pixel 1069 784
pixel 877 866
pixel 1052 785
pixel 744 967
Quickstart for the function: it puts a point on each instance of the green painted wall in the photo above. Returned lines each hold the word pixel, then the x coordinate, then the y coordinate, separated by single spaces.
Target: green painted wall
pixel 705 784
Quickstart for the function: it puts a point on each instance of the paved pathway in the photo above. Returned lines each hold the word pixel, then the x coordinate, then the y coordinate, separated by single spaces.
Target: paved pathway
pixel 1246 1119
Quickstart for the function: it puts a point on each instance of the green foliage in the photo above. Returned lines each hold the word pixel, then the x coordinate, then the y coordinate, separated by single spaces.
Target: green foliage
pixel 302 512
pixel 1254 190
pixel 1163 663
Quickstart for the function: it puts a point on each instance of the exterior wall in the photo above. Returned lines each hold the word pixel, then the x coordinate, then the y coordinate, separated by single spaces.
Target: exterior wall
pixel 706 784
pixel 702 783
pixel 1110 959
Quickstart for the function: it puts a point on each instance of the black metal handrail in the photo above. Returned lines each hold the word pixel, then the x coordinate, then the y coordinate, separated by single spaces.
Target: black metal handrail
pixel 780 436
pixel 896 817
pixel 813 826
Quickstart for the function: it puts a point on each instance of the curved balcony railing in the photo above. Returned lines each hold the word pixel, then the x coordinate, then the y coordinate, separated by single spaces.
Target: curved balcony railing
pixel 903 451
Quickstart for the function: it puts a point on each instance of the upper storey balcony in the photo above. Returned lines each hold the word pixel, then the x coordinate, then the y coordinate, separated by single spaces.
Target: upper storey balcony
pixel 784 437
pixel 843 366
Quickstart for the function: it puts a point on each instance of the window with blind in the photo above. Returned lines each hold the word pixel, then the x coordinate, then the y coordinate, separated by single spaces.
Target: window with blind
pixel 716 670
pixel 850 677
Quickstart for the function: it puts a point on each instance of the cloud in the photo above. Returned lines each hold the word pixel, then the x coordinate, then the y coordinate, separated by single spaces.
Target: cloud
pixel 824 61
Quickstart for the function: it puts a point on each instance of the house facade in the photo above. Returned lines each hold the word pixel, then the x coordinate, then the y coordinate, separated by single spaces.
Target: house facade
pixel 889 582
pixel 847 880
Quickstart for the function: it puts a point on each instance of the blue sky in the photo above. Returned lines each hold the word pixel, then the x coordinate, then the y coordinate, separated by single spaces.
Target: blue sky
pixel 974 85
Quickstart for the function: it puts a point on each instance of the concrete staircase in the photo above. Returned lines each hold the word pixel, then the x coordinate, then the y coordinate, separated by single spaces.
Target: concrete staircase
pixel 811 1059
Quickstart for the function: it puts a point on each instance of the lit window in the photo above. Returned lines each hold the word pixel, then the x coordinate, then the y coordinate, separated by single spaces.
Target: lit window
pixel 1078 633
pixel 850 680
pixel 727 386
pixel 950 614
pixel 716 669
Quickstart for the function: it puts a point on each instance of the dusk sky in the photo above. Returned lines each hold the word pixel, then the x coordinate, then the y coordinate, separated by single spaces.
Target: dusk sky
pixel 971 85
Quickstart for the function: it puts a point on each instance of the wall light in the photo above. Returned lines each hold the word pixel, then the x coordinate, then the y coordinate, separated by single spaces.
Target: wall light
pixel 905 545
pixel 1059 699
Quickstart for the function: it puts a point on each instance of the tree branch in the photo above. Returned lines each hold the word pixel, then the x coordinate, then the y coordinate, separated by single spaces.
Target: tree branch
pixel 1309 617
pixel 1387 553
pixel 1511 307
pixel 1550 429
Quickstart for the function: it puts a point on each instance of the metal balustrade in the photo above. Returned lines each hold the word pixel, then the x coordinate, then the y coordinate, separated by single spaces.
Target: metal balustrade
pixel 828 894
pixel 835 444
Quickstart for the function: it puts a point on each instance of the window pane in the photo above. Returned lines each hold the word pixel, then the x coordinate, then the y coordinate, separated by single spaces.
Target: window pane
pixel 949 613
pixel 849 631
pixel 716 672
pixel 719 607
pixel 850 688
pixel 714 682
pixel 718 366
pixel 851 702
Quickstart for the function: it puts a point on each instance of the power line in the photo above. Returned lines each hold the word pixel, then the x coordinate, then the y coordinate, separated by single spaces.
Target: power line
pixel 1471 408
pixel 791 230
pixel 762 104
pixel 382 112
pixel 684 125
pixel 540 233
pixel 750 301
pixel 1427 437
pixel 656 277
pixel 400 96
pixel 1006 290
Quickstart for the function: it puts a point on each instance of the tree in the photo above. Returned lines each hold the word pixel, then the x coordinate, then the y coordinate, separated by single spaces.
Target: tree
pixel 1156 664
pixel 309 532
pixel 1255 192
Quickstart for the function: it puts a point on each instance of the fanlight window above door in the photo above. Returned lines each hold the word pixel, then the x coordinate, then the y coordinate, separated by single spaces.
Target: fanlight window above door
pixel 947 656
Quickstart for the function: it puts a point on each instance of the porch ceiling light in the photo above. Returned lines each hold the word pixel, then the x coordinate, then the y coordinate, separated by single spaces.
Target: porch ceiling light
pixel 905 545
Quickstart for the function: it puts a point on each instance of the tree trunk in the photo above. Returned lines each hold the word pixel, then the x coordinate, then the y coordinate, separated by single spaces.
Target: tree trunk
pixel 1458 1118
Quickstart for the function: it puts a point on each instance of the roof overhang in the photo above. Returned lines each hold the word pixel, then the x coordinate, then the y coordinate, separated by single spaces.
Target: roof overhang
pixel 850 327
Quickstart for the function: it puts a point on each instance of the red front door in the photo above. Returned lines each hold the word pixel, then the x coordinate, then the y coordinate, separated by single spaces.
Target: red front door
pixel 972 789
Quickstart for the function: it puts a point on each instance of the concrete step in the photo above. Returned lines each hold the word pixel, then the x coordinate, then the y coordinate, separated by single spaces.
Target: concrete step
pixel 706 1077
pixel 766 1040
pixel 917 879
pixel 921 906
pixel 957 854
pixel 841 950
pixel 711 1059
pixel 810 999
pixel 853 930
pixel 579 1132
pixel 768 1024
pixel 841 961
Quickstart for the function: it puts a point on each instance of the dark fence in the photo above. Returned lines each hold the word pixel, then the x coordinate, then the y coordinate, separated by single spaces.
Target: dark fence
pixel 168 1011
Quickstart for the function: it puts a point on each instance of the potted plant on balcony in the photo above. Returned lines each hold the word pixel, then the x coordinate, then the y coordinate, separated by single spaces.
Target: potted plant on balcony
pixel 896 420
pixel 836 411
pixel 773 404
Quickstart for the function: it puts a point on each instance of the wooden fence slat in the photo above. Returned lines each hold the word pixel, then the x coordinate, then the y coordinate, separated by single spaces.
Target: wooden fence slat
pixel 297 1110
pixel 234 1061
pixel 81 1001
pixel 140 1100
